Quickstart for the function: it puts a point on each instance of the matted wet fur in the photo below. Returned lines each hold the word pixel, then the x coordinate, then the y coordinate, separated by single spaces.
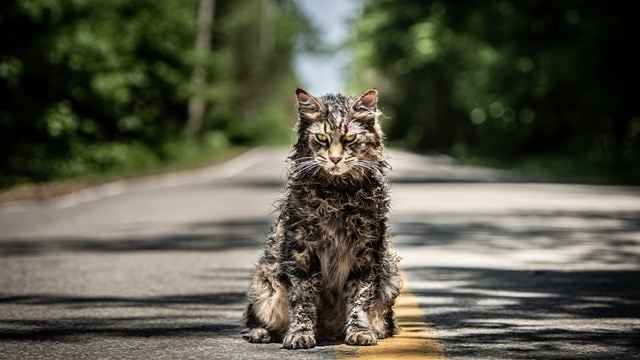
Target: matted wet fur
pixel 328 269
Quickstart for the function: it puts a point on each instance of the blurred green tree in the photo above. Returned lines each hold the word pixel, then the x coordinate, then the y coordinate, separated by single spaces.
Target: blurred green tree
pixel 505 79
pixel 87 85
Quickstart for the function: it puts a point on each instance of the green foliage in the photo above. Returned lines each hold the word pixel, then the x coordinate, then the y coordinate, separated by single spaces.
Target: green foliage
pixel 504 79
pixel 87 86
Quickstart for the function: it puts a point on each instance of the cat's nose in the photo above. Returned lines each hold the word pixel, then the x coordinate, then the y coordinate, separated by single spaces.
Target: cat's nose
pixel 335 159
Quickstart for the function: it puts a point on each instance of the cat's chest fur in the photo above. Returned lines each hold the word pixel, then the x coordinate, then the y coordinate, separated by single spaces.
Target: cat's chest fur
pixel 335 254
pixel 337 239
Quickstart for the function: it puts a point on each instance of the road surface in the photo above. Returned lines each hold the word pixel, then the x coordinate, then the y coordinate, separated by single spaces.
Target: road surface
pixel 500 269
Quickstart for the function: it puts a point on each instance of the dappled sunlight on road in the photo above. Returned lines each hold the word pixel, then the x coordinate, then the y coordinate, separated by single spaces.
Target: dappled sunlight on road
pixel 537 313
pixel 500 270
pixel 521 239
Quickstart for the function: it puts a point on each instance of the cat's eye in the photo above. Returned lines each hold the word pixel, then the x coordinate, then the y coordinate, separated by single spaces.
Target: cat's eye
pixel 322 137
pixel 350 137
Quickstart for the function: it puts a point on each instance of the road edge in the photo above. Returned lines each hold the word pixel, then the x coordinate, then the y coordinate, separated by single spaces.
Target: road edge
pixel 224 169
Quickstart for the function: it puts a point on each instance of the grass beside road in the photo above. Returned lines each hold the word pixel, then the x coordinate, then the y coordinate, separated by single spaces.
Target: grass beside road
pixel 569 168
pixel 185 157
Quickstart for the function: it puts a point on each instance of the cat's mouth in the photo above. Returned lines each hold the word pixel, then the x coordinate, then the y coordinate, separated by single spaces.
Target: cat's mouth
pixel 337 170
pixel 335 167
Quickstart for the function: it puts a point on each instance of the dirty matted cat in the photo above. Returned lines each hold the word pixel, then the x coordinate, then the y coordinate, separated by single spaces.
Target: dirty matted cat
pixel 328 269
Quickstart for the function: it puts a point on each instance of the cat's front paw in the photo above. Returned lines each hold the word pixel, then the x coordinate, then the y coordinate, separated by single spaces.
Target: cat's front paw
pixel 299 340
pixel 361 338
pixel 258 335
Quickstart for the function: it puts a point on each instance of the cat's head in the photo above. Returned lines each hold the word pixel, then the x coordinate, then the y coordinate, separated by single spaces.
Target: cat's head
pixel 338 136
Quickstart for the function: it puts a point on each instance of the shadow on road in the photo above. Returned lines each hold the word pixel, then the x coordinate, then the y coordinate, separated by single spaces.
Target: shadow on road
pixel 109 301
pixel 200 236
pixel 588 310
pixel 603 237
pixel 533 314
pixel 205 321
pixel 576 236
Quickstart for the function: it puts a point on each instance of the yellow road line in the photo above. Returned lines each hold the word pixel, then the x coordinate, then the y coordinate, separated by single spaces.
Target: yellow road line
pixel 415 340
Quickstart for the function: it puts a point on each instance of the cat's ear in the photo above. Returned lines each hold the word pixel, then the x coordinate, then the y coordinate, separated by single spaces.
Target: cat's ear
pixel 368 100
pixel 306 102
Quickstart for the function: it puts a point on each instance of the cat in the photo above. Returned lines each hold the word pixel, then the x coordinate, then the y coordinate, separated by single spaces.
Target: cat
pixel 329 269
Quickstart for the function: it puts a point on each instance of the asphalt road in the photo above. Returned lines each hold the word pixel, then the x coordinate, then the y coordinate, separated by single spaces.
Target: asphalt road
pixel 503 269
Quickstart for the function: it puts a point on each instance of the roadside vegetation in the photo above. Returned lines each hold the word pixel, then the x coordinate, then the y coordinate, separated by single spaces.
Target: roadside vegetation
pixel 102 89
pixel 548 88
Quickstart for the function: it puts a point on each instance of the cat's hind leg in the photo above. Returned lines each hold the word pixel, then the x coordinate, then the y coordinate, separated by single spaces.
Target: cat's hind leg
pixel 268 313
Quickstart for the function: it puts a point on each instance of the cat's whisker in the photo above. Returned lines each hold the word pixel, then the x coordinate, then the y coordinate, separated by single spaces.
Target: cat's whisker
pixel 305 158
pixel 366 170
pixel 308 169
pixel 367 166
pixel 303 171
pixel 305 167
pixel 303 164
pixel 374 164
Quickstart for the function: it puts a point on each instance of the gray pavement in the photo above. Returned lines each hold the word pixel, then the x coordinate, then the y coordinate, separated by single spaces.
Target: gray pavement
pixel 159 269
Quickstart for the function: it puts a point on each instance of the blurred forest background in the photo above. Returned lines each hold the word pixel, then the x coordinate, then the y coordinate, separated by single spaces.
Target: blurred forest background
pixel 102 87
pixel 95 88
pixel 546 87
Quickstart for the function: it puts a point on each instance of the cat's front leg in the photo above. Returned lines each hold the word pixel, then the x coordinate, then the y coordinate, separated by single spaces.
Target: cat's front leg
pixel 303 296
pixel 360 294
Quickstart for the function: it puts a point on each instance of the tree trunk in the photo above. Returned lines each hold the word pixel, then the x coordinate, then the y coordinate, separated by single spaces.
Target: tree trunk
pixel 197 103
pixel 267 39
